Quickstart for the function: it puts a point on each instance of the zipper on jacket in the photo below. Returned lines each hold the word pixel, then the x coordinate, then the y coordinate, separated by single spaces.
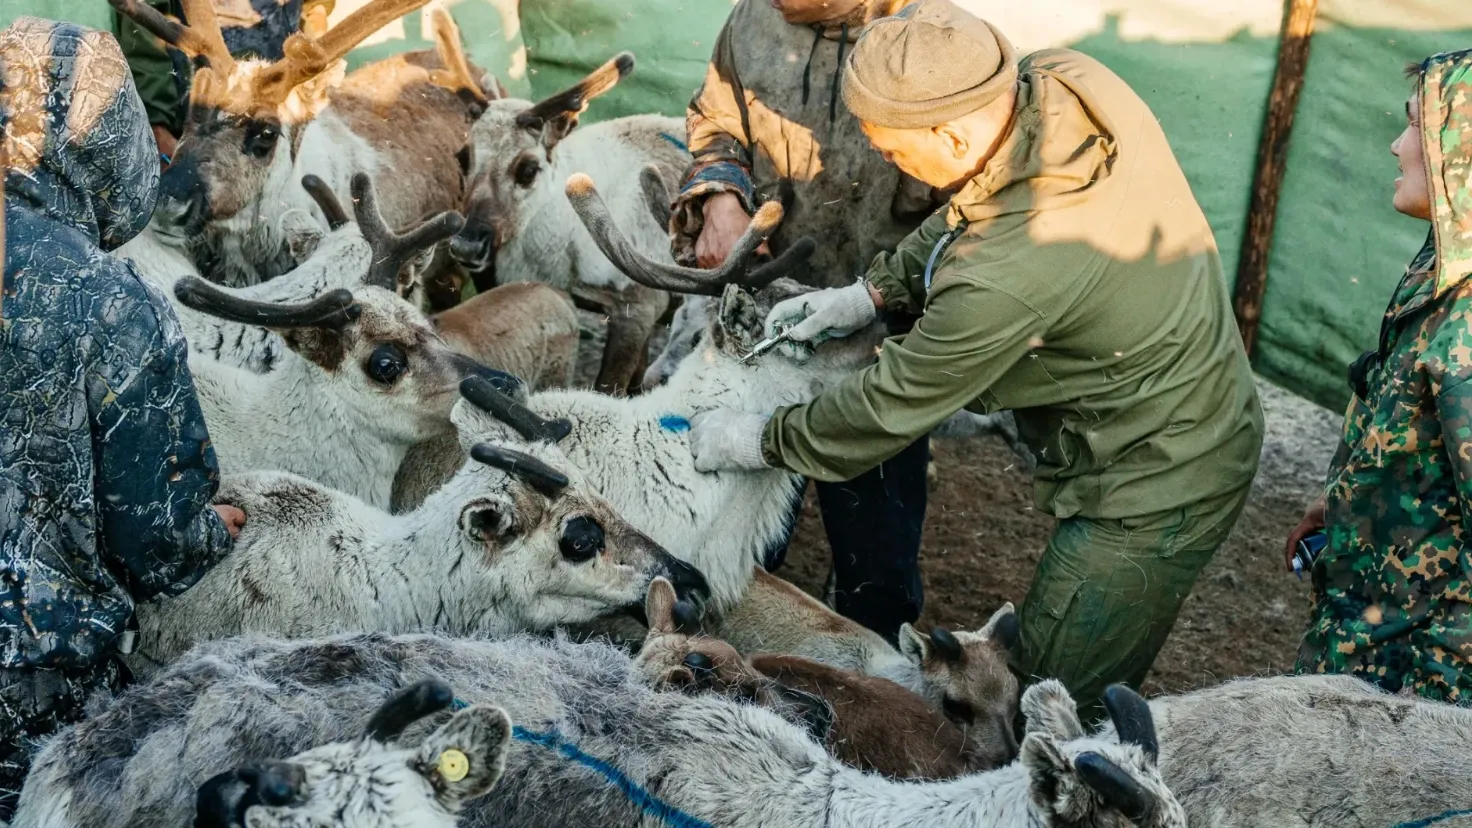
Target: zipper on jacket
pixel 940 246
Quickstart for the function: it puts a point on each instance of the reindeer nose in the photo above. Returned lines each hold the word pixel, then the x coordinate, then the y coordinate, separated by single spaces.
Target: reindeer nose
pixel 471 247
pixel 689 583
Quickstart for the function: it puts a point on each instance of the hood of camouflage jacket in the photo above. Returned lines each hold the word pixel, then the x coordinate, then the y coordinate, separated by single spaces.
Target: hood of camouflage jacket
pixel 79 145
pixel 1446 135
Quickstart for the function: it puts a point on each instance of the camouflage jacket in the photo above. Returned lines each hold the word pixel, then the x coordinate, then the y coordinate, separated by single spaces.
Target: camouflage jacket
pixel 1393 588
pixel 106 472
pixel 768 124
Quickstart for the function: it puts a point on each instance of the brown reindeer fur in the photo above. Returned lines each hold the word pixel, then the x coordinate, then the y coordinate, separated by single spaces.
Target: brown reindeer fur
pixel 866 722
pixel 877 725
pixel 527 329
pixel 418 128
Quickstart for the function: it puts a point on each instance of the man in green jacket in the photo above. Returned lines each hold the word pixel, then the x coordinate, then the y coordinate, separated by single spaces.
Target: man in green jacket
pixel 1072 279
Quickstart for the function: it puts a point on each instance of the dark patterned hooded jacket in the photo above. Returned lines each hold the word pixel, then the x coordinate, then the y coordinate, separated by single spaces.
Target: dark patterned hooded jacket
pixel 1393 588
pixel 106 471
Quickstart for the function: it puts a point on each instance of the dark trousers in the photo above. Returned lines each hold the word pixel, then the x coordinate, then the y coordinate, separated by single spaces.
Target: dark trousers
pixel 873 523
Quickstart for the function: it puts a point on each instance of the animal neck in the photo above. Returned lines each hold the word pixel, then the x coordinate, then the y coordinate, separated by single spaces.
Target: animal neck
pixel 286 420
pixel 440 583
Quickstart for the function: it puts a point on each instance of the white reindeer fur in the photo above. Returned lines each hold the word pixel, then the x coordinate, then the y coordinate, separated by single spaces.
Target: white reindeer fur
pixel 549 243
pixel 730 764
pixel 335 427
pixel 338 260
pixel 723 523
pixel 312 561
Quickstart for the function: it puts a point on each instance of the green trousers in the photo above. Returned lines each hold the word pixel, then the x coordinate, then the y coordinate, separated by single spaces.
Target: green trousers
pixel 1106 594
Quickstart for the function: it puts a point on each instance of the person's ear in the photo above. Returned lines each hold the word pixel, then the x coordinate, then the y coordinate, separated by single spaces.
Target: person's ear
pixel 953 139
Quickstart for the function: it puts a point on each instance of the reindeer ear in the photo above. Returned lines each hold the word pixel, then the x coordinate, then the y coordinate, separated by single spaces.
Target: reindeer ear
pixel 659 607
pixel 1047 708
pixel 1050 781
pixel 465 758
pixel 740 319
pixel 1004 629
pixel 326 347
pixel 913 645
pixel 488 519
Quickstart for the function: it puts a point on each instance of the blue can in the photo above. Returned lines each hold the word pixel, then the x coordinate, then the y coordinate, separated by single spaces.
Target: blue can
pixel 1307 551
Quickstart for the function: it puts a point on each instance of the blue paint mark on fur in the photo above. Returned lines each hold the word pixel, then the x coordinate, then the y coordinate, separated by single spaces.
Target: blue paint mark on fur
pixel 650 804
pixel 1441 817
pixel 676 141
pixel 674 423
pixel 637 794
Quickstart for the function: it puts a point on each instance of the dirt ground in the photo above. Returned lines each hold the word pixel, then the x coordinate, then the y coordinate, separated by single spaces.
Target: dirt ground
pixel 983 537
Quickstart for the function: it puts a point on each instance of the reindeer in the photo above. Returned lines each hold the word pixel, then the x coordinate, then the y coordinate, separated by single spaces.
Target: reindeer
pixel 865 722
pixel 255 127
pixel 597 745
pixel 369 782
pixel 512 543
pixel 520 226
pixel 361 377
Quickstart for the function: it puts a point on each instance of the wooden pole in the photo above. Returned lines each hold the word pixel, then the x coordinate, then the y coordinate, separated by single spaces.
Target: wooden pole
pixel 1272 164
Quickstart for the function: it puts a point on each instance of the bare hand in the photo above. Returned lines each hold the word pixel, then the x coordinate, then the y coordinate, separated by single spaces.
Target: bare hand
pixel 166 143
pixel 234 518
pixel 725 221
pixel 1313 521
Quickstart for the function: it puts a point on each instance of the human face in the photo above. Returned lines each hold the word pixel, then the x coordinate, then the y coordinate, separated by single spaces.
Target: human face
pixel 1413 188
pixel 939 156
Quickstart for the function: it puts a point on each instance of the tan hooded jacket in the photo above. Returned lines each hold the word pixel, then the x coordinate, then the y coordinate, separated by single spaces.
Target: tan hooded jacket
pixel 1077 283
pixel 768 124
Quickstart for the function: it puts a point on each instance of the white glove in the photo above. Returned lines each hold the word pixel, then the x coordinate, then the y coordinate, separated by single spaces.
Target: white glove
pixel 820 316
pixel 726 440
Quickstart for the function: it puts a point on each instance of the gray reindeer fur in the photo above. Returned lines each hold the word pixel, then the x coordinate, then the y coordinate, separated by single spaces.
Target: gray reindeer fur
pixel 1313 752
pixel 139 760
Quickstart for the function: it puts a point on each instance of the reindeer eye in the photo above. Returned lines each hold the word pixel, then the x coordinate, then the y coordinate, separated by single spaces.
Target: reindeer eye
pixel 582 539
pixel 958 711
pixel 526 171
pixel 387 363
pixel 260 139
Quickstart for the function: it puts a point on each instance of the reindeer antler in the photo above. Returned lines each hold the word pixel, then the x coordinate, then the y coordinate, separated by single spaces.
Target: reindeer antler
pixel 326 201
pixel 456 76
pixel 541 476
pixel 334 309
pixel 200 38
pixel 594 215
pixel 573 100
pixel 306 57
pixel 532 426
pixel 391 251
pixel 656 194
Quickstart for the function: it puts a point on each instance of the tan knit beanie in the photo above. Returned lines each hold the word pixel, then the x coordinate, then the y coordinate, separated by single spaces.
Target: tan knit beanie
pixel 929 64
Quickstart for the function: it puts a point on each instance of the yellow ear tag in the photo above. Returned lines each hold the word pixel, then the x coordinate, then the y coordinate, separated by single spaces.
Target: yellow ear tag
pixel 454 765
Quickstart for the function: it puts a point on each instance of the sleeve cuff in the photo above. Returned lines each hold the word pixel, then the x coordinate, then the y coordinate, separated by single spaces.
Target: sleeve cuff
pixel 770 454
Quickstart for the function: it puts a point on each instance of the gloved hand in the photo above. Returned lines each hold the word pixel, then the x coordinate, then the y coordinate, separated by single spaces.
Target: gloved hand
pixel 726 440
pixel 820 316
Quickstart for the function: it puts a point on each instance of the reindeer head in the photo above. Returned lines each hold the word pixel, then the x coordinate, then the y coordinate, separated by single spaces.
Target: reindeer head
pixel 370 782
pixel 566 555
pixel 677 656
pixel 245 117
pixel 968 674
pixel 508 159
pixel 1075 780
